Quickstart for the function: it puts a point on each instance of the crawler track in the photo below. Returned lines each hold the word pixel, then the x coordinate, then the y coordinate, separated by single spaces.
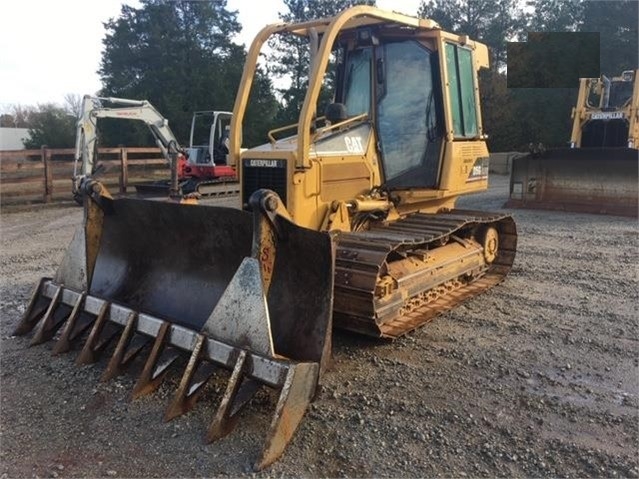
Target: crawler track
pixel 216 187
pixel 365 258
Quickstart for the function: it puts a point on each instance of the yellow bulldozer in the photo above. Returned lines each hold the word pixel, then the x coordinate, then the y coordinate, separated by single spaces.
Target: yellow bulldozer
pixel 349 219
pixel 598 172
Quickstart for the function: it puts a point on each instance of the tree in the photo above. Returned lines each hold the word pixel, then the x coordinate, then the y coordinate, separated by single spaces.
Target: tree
pixel 616 23
pixel 51 125
pixel 555 16
pixel 7 121
pixel 498 114
pixel 290 60
pixel 73 103
pixel 180 56
pixel 17 117
pixel 493 22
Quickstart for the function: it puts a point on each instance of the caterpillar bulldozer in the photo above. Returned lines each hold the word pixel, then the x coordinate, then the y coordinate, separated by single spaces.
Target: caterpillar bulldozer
pixel 598 172
pixel 347 220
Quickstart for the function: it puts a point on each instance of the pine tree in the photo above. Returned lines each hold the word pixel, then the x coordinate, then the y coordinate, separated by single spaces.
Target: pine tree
pixel 181 57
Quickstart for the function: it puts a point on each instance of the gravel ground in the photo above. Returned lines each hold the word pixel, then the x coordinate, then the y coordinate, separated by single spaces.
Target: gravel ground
pixel 537 377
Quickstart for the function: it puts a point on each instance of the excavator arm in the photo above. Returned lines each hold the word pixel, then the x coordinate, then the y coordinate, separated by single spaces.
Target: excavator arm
pixel 86 132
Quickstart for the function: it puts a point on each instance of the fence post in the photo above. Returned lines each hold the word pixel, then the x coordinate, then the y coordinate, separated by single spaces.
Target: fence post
pixel 124 170
pixel 45 154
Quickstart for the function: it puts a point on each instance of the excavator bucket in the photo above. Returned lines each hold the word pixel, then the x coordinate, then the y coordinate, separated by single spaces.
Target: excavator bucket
pixel 249 293
pixel 591 180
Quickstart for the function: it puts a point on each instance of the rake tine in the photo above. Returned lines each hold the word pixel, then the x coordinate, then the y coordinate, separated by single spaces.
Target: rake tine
pixel 224 422
pixel 87 355
pixel 46 327
pixel 113 369
pixel 63 344
pixel 296 395
pixel 150 378
pixel 29 320
pixel 187 393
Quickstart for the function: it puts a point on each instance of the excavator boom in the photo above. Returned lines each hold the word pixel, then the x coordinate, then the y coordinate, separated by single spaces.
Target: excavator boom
pixel 92 108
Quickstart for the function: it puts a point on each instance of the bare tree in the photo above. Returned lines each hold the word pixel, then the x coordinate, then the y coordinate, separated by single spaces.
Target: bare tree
pixel 21 115
pixel 73 104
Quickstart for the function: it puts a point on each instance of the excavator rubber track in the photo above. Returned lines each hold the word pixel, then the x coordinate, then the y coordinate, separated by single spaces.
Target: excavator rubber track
pixel 212 188
pixel 363 259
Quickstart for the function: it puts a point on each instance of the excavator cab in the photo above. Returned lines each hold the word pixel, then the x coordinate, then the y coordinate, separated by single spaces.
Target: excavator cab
pixel 348 216
pixel 209 129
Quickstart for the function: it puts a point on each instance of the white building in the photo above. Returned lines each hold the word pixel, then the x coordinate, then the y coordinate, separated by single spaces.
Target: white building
pixel 11 138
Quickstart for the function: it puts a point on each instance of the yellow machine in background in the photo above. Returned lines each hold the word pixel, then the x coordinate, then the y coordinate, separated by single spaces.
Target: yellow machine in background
pixel 598 173
pixel 353 213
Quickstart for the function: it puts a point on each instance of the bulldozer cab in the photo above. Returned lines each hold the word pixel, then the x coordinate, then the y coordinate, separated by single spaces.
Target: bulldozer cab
pixel 603 116
pixel 396 85
pixel 404 121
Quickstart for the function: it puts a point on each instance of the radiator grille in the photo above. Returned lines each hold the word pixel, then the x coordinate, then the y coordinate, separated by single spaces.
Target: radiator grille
pixel 256 174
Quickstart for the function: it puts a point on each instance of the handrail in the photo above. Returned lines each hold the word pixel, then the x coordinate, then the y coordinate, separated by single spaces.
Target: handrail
pixel 321 131
pixel 272 139
pixel 341 124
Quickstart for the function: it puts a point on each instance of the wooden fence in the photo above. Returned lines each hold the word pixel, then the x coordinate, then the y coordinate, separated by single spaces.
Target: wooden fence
pixel 44 175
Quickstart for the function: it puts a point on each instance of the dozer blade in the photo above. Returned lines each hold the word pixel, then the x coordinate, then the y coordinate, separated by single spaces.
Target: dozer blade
pixel 249 293
pixel 590 180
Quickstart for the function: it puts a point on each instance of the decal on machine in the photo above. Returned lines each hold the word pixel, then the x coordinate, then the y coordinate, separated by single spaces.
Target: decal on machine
pixel 263 163
pixel 607 115
pixel 479 170
pixel 354 144
pixel 352 141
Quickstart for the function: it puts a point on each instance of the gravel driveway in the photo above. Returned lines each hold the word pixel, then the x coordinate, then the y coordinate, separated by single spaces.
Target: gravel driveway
pixel 537 377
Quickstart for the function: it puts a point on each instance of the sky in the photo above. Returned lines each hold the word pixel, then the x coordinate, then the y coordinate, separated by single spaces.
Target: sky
pixel 51 48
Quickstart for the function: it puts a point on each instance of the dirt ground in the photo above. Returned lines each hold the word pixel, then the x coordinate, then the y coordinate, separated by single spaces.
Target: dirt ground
pixel 537 377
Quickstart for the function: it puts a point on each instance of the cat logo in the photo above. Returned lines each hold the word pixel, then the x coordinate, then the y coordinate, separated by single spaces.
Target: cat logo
pixel 354 144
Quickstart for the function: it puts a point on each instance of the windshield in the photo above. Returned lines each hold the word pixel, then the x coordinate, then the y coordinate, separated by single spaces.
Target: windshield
pixel 620 93
pixel 202 128
pixel 407 116
pixel 357 92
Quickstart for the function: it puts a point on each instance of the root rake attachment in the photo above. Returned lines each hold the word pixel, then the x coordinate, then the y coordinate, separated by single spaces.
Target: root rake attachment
pixel 280 346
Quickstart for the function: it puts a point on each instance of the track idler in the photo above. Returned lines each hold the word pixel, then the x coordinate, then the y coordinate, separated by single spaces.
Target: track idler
pixel 247 293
